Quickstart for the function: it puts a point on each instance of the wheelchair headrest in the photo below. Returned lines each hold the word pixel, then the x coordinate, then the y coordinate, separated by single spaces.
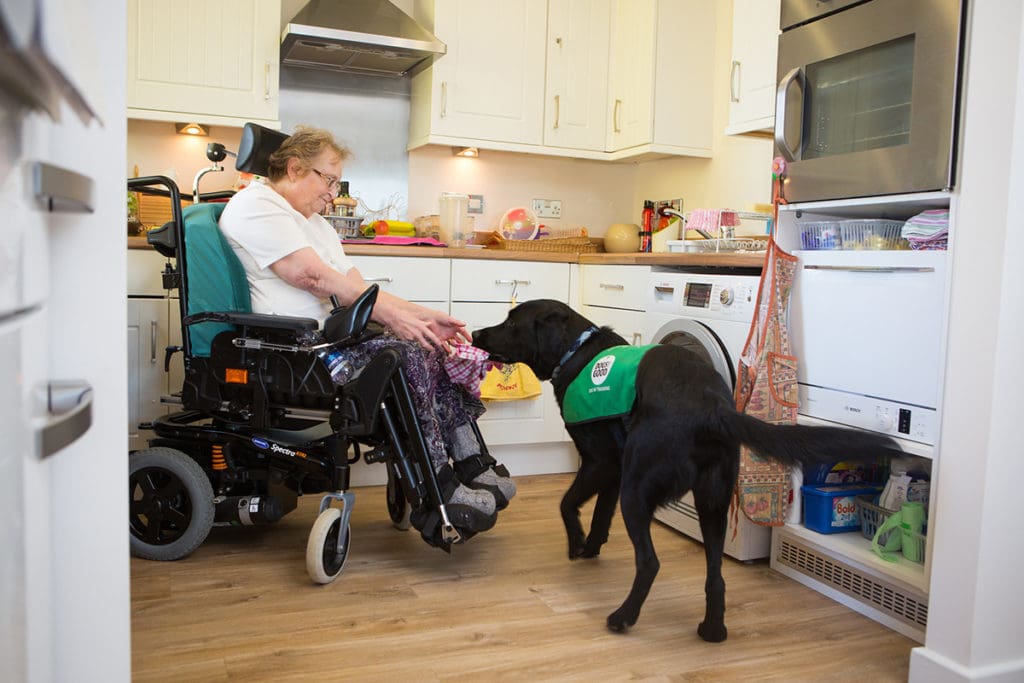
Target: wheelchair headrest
pixel 255 148
pixel 349 322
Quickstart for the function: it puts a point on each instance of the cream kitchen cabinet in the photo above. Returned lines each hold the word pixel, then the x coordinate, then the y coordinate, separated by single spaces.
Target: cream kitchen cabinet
pixel 661 77
pixel 616 80
pixel 755 44
pixel 489 86
pixel 482 293
pixel 576 84
pixel 424 280
pixel 614 295
pixel 154 323
pixel 208 62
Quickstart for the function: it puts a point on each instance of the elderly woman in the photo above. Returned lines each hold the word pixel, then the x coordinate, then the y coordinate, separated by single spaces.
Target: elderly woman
pixel 294 261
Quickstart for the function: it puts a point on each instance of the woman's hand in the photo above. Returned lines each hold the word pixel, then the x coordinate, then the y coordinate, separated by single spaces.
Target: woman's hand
pixel 429 328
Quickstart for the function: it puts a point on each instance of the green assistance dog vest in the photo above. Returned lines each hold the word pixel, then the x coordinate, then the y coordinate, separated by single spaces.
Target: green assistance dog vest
pixel 605 388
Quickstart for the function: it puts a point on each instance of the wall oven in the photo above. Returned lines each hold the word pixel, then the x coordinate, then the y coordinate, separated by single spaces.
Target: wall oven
pixel 867 96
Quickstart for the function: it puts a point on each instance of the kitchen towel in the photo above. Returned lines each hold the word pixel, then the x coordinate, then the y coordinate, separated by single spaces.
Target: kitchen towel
pixel 766 388
pixel 927 230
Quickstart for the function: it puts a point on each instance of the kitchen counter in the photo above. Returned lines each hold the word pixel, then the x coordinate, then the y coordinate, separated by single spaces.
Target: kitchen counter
pixel 724 260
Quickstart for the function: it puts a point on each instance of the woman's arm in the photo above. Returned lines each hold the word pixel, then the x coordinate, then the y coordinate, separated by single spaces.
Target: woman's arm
pixel 429 328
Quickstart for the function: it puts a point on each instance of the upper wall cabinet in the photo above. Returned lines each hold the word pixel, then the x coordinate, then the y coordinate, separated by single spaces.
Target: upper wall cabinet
pixel 755 46
pixel 616 79
pixel 209 62
pixel 489 86
pixel 576 86
pixel 661 77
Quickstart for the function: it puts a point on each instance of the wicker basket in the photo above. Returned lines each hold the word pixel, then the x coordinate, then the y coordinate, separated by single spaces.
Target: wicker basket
pixel 571 245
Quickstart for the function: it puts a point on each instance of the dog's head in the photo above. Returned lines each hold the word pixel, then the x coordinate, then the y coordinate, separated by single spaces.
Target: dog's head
pixel 537 333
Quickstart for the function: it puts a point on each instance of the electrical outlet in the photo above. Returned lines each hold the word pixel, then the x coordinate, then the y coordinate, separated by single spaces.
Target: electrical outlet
pixel 476 203
pixel 547 208
pixel 674 204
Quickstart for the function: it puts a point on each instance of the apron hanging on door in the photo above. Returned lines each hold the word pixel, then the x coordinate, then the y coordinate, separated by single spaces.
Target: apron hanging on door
pixel 766 388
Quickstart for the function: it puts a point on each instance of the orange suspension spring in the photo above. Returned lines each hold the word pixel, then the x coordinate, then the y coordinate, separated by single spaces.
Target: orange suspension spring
pixel 217 457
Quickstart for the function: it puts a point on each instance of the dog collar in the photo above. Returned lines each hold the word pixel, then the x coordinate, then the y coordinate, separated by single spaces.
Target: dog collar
pixel 584 336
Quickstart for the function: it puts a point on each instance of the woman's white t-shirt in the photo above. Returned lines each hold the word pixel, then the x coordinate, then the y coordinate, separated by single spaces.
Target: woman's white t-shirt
pixel 262 228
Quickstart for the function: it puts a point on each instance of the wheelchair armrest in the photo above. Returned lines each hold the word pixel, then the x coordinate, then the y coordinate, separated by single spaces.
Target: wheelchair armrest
pixel 276 322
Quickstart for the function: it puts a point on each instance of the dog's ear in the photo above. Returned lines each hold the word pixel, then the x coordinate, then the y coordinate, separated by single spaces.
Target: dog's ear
pixel 552 331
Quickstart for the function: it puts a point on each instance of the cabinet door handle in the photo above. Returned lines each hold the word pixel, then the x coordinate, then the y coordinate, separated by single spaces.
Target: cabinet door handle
pixel 67 406
pixel 558 110
pixel 734 75
pixel 152 341
pixel 379 279
pixel 266 81
pixel 514 283
pixel 60 189
pixel 637 339
pixel 615 117
pixel 444 98
pixel 873 269
pixel 612 285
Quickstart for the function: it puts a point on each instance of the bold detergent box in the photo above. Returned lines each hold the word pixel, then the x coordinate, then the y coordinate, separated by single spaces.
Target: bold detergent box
pixel 831 509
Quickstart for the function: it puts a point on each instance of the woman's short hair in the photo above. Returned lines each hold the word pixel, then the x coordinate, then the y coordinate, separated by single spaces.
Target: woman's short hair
pixel 305 144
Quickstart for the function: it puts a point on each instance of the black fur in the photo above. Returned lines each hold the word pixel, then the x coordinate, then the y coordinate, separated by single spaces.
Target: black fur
pixel 683 434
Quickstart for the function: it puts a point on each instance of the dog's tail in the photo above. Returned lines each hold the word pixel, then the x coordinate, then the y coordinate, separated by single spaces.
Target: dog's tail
pixel 805 445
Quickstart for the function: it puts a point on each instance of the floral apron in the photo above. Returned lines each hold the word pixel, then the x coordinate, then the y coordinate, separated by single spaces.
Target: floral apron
pixel 766 388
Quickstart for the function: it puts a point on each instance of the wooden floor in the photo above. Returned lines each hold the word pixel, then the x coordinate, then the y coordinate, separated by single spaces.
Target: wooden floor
pixel 507 605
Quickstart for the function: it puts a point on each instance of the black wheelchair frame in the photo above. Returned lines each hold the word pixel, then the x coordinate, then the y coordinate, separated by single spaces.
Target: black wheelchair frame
pixel 261 422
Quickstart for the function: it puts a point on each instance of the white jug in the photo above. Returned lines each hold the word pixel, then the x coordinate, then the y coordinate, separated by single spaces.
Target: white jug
pixel 453 218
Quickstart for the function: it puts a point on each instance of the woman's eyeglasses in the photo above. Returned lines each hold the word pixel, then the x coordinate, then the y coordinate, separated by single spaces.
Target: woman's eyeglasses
pixel 333 184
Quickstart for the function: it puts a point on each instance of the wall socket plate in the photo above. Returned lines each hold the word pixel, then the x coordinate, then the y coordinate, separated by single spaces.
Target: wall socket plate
pixel 476 203
pixel 675 204
pixel 547 208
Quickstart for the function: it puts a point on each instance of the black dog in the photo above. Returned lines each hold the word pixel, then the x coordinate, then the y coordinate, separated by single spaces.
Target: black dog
pixel 683 433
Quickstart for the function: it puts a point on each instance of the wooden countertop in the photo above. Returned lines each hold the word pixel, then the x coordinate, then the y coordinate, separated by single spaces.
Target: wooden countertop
pixel 724 260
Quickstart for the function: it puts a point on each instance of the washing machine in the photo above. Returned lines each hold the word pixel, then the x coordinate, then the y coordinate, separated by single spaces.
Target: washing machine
pixel 709 313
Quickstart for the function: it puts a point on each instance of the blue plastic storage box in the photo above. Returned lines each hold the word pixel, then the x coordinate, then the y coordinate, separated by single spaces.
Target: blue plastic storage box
pixel 831 509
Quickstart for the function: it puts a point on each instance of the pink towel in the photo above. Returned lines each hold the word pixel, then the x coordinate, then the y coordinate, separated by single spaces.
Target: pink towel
pixel 467 365
pixel 396 240
pixel 709 220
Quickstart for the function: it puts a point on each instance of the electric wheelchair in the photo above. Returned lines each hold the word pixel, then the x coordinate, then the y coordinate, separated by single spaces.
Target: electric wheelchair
pixel 261 422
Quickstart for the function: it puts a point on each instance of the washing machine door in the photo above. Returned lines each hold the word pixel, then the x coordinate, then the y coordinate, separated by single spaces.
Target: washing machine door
pixel 699 338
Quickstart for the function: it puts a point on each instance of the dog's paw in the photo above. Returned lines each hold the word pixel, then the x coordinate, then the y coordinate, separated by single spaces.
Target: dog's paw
pixel 619 621
pixel 591 548
pixel 713 633
pixel 577 547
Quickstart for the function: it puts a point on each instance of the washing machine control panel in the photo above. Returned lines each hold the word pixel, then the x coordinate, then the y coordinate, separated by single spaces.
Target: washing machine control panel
pixel 730 300
pixel 722 297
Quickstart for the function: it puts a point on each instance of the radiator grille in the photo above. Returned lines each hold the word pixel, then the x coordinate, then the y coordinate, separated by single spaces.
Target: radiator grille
pixel 867 589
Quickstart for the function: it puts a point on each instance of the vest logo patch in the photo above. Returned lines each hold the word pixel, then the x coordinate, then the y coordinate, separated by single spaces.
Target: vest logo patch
pixel 602 368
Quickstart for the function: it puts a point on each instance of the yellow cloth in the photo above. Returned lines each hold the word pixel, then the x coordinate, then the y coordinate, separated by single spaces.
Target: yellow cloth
pixel 509 382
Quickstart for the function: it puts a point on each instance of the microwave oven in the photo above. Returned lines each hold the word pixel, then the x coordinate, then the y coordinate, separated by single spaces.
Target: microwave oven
pixel 867 97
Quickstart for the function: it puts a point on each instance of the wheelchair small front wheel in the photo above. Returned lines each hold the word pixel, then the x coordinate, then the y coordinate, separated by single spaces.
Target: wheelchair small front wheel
pixel 398 507
pixel 170 506
pixel 324 558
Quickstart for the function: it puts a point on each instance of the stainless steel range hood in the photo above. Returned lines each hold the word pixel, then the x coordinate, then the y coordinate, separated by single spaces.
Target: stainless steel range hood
pixel 370 37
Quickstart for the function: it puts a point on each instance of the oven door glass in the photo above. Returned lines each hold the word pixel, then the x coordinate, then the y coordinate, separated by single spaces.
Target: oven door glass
pixel 867 100
pixel 860 100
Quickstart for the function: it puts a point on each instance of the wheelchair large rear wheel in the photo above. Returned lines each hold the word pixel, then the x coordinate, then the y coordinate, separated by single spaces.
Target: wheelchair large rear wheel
pixel 398 507
pixel 170 507
pixel 324 560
